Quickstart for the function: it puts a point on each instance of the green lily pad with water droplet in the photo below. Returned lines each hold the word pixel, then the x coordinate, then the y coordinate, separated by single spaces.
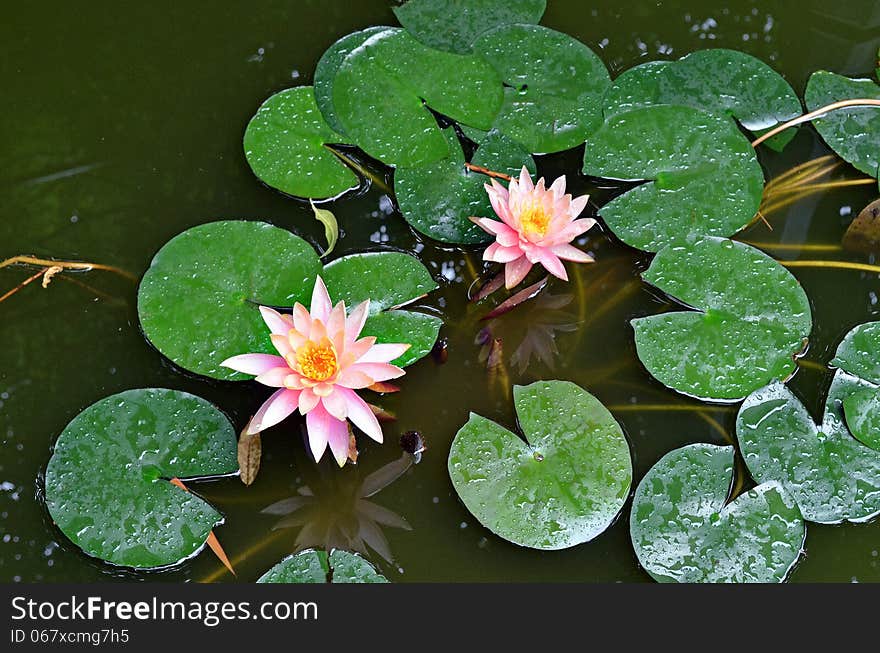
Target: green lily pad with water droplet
pixel 454 25
pixel 389 280
pixel 328 65
pixel 722 81
pixel 107 482
pixel 199 301
pixel 750 320
pixel 438 199
pixel 313 566
pixel 701 175
pixel 832 476
pixel 561 486
pixel 286 146
pixel 383 90
pixel 555 85
pixel 855 390
pixel 684 530
pixel 853 132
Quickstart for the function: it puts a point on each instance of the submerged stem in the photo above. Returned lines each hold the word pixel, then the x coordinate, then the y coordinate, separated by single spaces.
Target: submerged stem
pixel 839 265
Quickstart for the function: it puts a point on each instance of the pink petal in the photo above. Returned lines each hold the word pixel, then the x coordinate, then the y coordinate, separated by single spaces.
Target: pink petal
pixel 525 181
pixel 321 304
pixel 335 403
pixel 551 262
pixel 275 377
pixel 277 407
pixel 571 253
pixel 253 363
pixel 282 343
pixel 495 252
pixel 516 271
pixel 351 378
pixel 572 231
pixel 336 326
pixel 355 350
pixel 354 324
pixel 318 430
pixel 384 353
pixel 302 321
pixel 376 371
pixel 361 415
pixel 499 198
pixel 276 322
pixel 506 235
pixel 307 401
pixel 578 205
pixel 558 187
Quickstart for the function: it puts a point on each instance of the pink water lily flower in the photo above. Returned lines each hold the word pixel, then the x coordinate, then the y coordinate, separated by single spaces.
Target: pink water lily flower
pixel 322 362
pixel 537 226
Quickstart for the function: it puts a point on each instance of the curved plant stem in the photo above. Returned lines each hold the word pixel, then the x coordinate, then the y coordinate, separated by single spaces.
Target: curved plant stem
pixel 24 259
pixel 24 283
pixel 821 111
pixel 810 365
pixel 838 265
pixel 489 173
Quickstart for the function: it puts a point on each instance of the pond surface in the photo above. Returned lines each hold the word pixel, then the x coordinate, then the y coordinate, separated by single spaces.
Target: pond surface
pixel 121 126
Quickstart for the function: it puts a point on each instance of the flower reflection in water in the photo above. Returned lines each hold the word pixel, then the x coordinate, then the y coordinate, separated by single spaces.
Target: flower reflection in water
pixel 334 512
pixel 534 332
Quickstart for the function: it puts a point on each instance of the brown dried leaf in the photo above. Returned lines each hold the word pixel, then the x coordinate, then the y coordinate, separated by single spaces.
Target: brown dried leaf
pixel 352 445
pixel 381 414
pixel 250 450
pixel 383 387
pixel 863 234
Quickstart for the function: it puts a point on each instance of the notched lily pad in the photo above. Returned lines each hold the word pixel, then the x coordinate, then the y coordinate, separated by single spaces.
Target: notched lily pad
pixel 832 476
pixel 702 177
pixel 717 80
pixel 853 132
pixel 751 320
pixel 555 85
pixel 438 199
pixel 454 25
pixel 383 88
pixel 683 530
pixel 199 301
pixel 313 566
pixel 561 486
pixel 855 389
pixel 286 146
pixel 107 483
pixel 389 280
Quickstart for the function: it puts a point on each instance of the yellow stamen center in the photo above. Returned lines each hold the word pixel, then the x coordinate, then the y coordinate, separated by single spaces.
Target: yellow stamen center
pixel 317 360
pixel 534 220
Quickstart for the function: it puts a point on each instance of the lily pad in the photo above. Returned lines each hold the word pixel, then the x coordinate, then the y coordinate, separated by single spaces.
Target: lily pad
pixel 328 65
pixel 107 483
pixel 198 302
pixel 389 280
pixel 751 320
pixel 313 566
pixel 384 88
pixel 437 199
pixel 717 80
pixel 832 476
pixel 555 85
pixel 454 25
pixel 562 485
pixel 701 175
pixel 855 389
pixel 854 132
pixel 684 530
pixel 286 146
pixel 862 410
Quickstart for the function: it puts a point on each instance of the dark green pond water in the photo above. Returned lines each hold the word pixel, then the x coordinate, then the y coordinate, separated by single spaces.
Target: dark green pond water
pixel 121 126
